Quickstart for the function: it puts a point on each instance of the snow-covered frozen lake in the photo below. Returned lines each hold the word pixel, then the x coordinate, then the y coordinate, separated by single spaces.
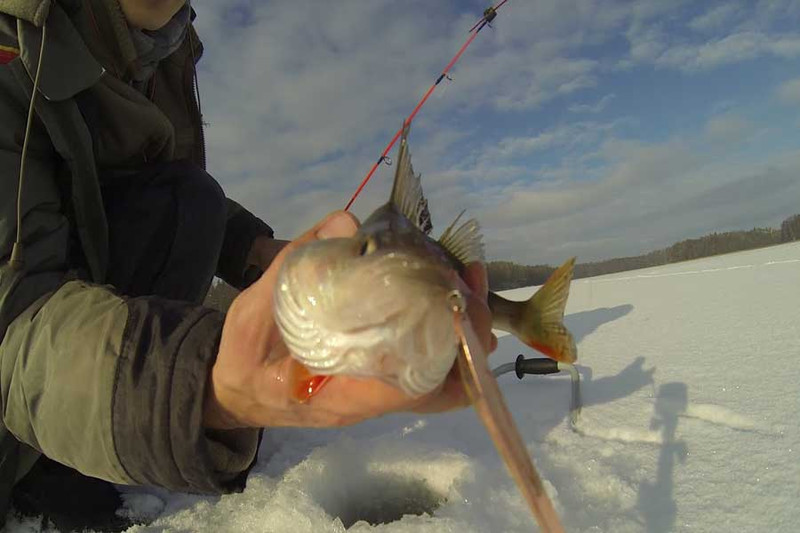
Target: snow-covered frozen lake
pixel 690 423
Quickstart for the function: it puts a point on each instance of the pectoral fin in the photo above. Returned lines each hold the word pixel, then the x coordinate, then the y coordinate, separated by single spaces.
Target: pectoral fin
pixel 304 385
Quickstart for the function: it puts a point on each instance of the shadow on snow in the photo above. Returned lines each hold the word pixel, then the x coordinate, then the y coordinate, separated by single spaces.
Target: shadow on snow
pixel 584 323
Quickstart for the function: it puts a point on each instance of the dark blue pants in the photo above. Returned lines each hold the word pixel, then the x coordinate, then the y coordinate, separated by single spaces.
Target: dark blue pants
pixel 166 228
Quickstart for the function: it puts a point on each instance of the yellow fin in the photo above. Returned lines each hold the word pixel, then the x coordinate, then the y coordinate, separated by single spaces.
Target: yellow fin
pixel 539 322
pixel 543 319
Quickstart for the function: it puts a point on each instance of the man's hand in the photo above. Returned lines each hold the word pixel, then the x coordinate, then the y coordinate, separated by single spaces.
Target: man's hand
pixel 250 385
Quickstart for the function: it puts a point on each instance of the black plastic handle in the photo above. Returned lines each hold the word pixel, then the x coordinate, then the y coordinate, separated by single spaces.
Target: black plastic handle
pixel 535 366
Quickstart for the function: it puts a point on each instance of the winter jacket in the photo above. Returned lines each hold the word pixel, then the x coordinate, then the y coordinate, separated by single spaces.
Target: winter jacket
pixel 109 385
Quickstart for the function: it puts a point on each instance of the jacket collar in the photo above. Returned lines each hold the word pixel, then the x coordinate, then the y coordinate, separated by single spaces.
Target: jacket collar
pixel 68 67
pixel 33 11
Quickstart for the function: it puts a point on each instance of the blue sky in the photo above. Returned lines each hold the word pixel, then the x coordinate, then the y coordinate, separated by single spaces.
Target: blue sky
pixel 594 128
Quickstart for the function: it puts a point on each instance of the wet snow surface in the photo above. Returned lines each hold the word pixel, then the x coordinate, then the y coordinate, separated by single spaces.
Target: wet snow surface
pixel 690 423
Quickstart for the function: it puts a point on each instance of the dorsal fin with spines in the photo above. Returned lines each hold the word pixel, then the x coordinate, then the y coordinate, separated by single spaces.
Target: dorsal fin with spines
pixel 407 194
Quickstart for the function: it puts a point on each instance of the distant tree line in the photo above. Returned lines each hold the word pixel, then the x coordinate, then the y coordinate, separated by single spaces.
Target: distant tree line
pixel 507 275
pixel 790 229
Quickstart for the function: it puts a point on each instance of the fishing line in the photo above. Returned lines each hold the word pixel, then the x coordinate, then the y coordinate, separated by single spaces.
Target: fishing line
pixel 489 15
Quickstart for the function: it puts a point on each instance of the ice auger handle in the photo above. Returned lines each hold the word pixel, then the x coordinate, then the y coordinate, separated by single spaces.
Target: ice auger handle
pixel 542 366
pixel 535 366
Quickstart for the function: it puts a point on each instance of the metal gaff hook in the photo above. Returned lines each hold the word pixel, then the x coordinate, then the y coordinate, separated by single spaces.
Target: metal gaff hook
pixel 493 412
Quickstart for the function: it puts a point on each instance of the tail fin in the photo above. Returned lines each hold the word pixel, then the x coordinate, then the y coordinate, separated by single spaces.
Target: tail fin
pixel 539 322
pixel 543 319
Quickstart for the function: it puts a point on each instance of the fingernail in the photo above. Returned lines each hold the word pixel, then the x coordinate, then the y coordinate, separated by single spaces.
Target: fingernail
pixel 337 225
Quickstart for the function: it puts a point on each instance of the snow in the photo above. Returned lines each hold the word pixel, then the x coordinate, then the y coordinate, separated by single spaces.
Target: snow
pixel 690 423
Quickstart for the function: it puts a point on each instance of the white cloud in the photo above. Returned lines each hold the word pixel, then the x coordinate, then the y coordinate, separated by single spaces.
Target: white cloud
pixel 617 217
pixel 722 106
pixel 727 128
pixel 716 18
pixel 770 11
pixel 739 33
pixel 631 166
pixel 646 10
pixel 646 44
pixel 571 135
pixel 302 97
pixel 789 91
pixel 546 81
pixel 732 48
pixel 644 196
pixel 595 108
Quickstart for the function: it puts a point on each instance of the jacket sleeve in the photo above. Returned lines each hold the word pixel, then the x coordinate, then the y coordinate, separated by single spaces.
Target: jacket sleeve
pixel 241 229
pixel 111 386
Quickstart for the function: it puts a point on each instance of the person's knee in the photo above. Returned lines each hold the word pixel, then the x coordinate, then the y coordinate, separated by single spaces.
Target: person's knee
pixel 200 194
pixel 201 221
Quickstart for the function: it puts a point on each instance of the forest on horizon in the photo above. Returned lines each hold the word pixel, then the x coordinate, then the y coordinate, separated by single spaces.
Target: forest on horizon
pixel 509 275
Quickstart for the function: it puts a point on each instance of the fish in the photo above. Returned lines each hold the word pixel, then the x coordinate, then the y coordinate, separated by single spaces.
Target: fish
pixel 386 304
pixel 379 304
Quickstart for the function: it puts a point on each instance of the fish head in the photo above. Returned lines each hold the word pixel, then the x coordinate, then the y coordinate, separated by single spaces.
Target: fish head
pixel 389 231
pixel 378 304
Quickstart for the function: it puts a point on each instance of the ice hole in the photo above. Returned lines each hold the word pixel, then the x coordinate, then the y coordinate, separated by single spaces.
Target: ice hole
pixel 381 498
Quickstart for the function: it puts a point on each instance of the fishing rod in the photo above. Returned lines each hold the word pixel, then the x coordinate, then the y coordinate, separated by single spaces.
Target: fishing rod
pixel 489 14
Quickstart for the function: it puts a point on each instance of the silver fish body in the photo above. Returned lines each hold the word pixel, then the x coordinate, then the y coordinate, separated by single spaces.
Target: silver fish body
pixel 379 304
pixel 374 305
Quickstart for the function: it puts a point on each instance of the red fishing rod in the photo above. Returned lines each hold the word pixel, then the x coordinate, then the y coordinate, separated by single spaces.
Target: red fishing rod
pixel 489 15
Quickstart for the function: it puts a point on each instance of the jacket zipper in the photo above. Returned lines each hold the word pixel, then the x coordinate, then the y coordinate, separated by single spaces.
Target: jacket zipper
pixel 200 128
pixel 196 100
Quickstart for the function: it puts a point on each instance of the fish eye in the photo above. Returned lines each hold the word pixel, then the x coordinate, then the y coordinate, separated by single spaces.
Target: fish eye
pixel 369 246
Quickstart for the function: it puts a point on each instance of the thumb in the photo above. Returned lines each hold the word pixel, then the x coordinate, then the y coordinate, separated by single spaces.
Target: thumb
pixel 336 224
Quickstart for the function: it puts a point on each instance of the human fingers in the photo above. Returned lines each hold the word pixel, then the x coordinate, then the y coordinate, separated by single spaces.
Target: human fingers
pixel 476 278
pixel 480 316
pixel 336 224
pixel 250 335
